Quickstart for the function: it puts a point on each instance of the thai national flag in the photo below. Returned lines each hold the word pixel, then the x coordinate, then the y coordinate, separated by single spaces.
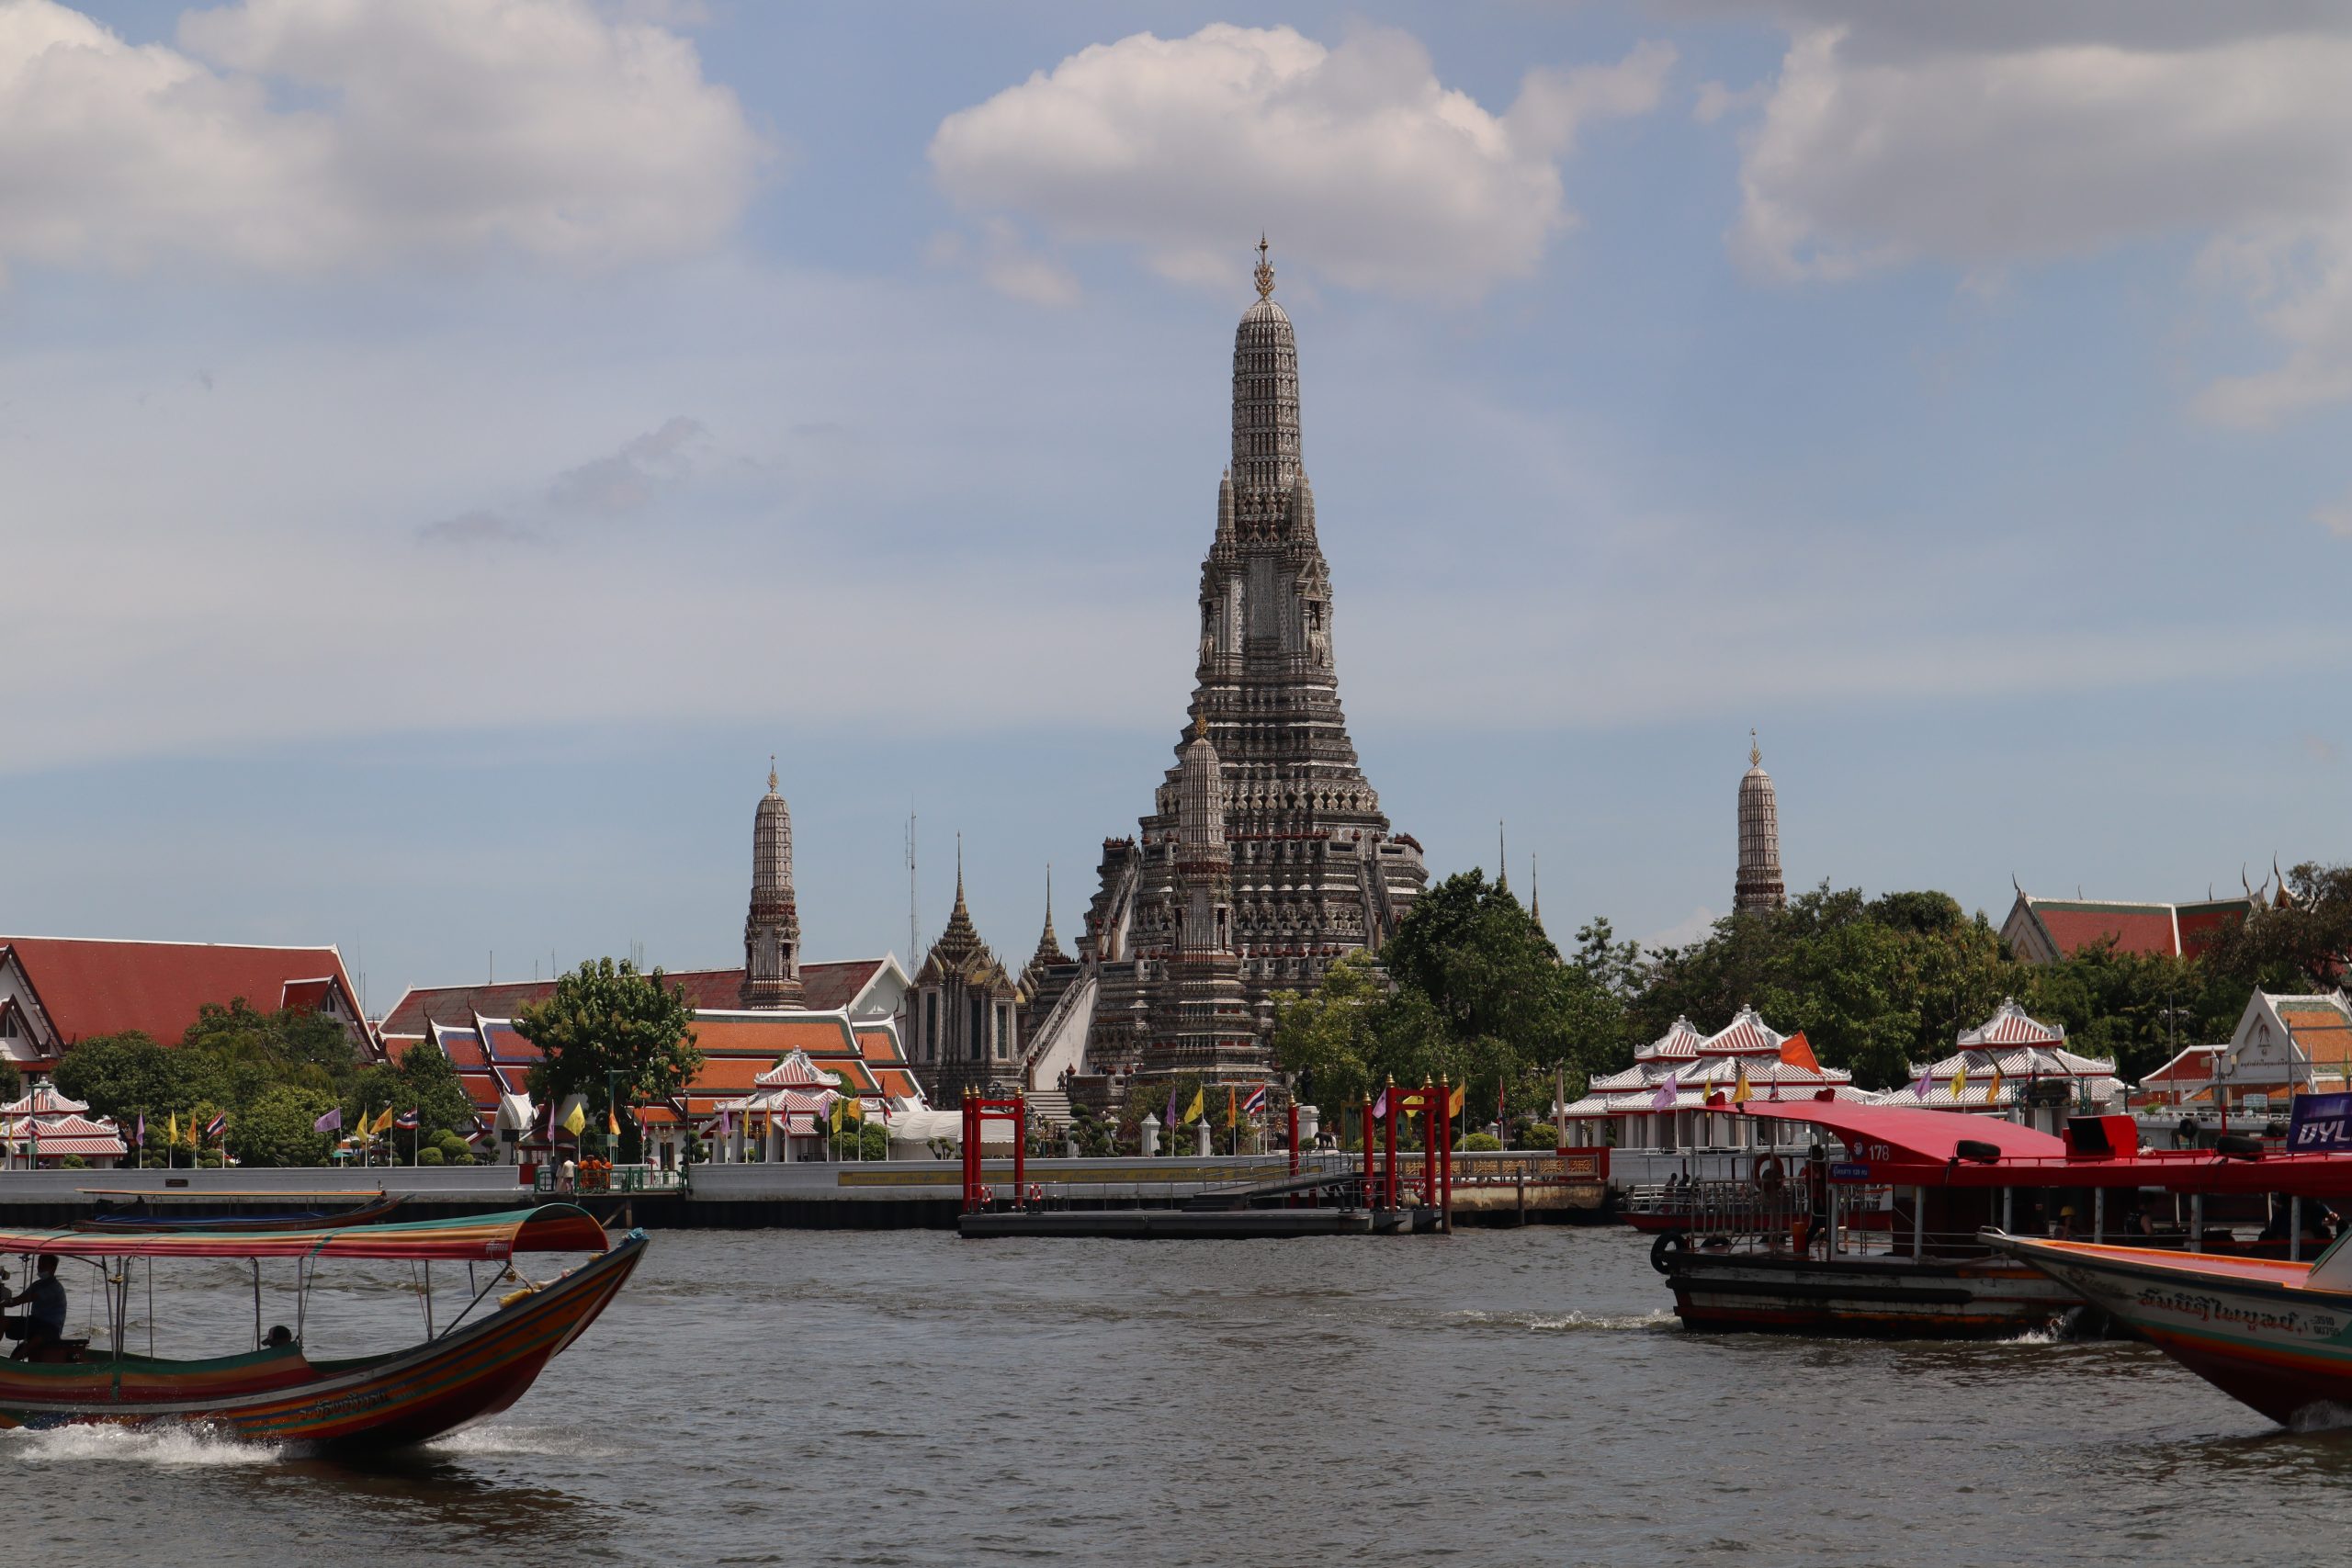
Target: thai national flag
pixel 1256 1104
pixel 405 1121
pixel 212 1128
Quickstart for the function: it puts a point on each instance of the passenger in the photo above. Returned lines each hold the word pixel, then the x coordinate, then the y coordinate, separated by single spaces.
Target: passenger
pixel 280 1338
pixel 43 1324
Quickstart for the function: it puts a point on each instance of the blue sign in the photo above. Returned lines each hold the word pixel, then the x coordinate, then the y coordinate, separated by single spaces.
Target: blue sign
pixel 2323 1122
pixel 1863 1172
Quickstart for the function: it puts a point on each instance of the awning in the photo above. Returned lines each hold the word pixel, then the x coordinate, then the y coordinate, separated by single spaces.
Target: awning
pixel 551 1227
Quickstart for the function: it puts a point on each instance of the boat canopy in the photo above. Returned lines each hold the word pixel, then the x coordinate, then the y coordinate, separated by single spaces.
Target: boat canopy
pixel 1928 1137
pixel 551 1227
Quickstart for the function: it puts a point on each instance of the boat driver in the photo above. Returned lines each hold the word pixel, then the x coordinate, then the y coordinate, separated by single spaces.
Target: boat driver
pixel 43 1324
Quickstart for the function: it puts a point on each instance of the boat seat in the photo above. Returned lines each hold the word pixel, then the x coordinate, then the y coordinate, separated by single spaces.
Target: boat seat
pixel 57 1350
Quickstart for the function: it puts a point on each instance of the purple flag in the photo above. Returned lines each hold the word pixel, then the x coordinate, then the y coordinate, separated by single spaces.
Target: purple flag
pixel 1670 1089
pixel 142 1130
pixel 1168 1116
pixel 331 1122
pixel 1927 1078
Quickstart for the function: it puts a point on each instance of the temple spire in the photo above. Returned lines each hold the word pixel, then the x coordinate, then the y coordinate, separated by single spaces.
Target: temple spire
pixel 771 923
pixel 1265 274
pixel 1758 889
pixel 1502 859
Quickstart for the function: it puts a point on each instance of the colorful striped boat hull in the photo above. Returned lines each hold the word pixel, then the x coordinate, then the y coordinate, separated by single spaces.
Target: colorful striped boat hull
pixel 2253 1327
pixel 377 1402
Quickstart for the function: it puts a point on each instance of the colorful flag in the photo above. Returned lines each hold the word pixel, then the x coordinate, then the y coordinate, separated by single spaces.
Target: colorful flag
pixel 725 1123
pixel 1993 1090
pixel 1192 1111
pixel 1255 1105
pixel 1379 1107
pixel 1232 1105
pixel 1739 1089
pixel 1168 1116
pixel 852 1109
pixel 218 1125
pixel 141 1139
pixel 405 1121
pixel 1796 1051
pixel 612 1124
pixel 1927 1076
pixel 576 1121
pixel 331 1122
pixel 1669 1091
pixel 1960 1082
pixel 1453 1102
pixel 383 1122
pixel 173 1134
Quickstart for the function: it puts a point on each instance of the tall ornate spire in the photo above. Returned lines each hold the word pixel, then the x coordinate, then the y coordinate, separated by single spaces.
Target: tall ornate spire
pixel 1049 946
pixel 772 925
pixel 1758 888
pixel 1265 394
pixel 1265 270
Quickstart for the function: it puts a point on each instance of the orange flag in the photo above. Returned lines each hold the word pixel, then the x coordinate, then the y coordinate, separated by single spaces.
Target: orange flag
pixel 1796 1051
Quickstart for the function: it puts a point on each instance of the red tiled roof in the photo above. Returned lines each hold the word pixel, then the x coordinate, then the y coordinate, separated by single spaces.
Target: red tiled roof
pixel 2325 1034
pixel 90 986
pixel 2141 928
pixel 828 987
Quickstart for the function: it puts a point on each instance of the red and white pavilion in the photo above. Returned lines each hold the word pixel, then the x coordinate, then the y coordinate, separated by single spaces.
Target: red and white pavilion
pixel 1661 1102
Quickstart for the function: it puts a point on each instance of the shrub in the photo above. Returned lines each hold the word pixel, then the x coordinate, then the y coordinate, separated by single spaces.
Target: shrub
pixel 449 1143
pixel 208 1160
pixel 463 1156
pixel 72 1162
pixel 428 1157
pixel 1535 1135
pixel 1481 1142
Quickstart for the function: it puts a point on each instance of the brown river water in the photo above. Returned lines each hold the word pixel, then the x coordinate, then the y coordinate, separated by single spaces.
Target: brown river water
pixel 1498 1396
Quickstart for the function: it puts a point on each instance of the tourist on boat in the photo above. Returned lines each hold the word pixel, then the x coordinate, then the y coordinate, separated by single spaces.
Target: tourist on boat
pixel 43 1324
pixel 280 1338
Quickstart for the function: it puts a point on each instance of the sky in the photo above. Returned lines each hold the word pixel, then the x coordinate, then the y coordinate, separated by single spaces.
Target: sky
pixel 448 445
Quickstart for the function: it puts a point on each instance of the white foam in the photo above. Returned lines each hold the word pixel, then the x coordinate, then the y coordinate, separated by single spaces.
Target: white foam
pixel 169 1447
pixel 487 1441
pixel 2321 1415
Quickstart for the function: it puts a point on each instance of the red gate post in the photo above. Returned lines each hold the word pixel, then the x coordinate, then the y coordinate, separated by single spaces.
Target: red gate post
pixel 1445 1187
pixel 1388 1173
pixel 1020 1150
pixel 1293 1137
pixel 1429 1125
pixel 971 1152
pixel 1370 1199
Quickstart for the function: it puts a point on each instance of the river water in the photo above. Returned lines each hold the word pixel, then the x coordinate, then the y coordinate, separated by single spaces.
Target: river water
pixel 1498 1396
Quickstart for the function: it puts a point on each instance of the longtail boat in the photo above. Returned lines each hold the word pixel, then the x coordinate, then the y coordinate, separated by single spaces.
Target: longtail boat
pixel 473 1367
pixel 1880 1234
pixel 2272 1334
pixel 373 1208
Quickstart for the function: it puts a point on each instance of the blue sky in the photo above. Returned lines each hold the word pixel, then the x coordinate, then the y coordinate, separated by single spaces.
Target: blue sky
pixel 451 444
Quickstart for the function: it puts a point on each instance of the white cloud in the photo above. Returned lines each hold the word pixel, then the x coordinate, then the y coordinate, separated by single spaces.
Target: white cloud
pixel 2336 517
pixel 299 135
pixel 627 481
pixel 1986 136
pixel 1364 167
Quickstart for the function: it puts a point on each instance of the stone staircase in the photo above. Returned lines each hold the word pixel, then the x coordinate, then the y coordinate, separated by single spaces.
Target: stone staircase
pixel 1050 1106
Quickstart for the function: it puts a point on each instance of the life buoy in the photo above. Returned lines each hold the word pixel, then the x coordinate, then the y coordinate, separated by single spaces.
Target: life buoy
pixel 1667 1242
pixel 1771 1174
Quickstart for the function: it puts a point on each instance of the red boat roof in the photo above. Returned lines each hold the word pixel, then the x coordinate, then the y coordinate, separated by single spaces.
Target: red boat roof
pixel 1924 1137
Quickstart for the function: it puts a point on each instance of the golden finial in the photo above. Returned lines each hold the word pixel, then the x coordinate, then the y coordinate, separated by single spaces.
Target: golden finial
pixel 771 772
pixel 1754 752
pixel 1265 270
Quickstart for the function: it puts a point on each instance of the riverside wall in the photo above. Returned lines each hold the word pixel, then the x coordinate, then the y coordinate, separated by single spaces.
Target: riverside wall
pixel 813 1195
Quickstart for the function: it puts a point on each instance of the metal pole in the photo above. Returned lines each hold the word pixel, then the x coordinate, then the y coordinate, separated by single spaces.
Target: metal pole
pixel 2098 1215
pixel 2010 1210
pixel 1918 1224
pixel 2294 1230
pixel 2197 1221
pixel 257 1303
pixel 1388 1145
pixel 1020 1147
pixel 1293 1137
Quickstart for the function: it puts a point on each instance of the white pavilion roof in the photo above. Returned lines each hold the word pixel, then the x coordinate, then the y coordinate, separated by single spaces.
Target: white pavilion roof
pixel 2011 1025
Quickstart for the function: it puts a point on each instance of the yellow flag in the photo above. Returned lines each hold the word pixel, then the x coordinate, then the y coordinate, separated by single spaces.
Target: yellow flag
pixel 852 1109
pixel 383 1122
pixel 576 1121
pixel 171 1133
pixel 612 1124
pixel 1993 1090
pixel 1739 1090
pixel 1960 1081
pixel 1192 1111
pixel 1453 1102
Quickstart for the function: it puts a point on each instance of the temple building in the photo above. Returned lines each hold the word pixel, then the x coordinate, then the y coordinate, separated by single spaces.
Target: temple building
pixel 1678 1093
pixel 961 1031
pixel 1759 889
pixel 772 927
pixel 1303 867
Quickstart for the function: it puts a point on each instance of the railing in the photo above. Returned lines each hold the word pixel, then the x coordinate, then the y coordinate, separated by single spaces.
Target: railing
pixel 619 1179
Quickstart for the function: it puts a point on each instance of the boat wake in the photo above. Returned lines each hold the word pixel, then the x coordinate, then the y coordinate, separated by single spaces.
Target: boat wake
pixel 2322 1416
pixel 172 1448
pixel 494 1442
pixel 1577 1321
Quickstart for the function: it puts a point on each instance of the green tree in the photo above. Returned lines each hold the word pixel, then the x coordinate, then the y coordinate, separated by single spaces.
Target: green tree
pixel 124 1075
pixel 1329 1040
pixel 608 1027
pixel 280 1128
pixel 12 1082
